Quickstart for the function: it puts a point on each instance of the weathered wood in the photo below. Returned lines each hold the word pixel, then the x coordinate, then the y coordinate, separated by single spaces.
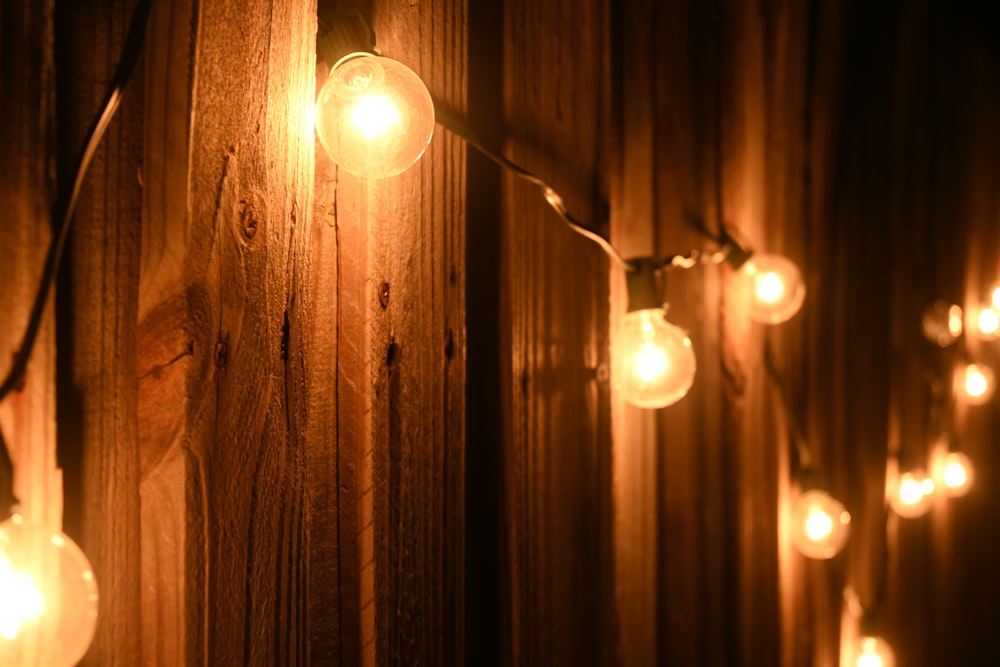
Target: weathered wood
pixel 401 369
pixel 27 415
pixel 554 301
pixel 98 386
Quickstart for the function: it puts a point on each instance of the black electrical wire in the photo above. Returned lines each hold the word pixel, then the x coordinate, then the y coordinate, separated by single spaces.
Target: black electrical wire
pixel 794 428
pixel 65 205
pixel 62 212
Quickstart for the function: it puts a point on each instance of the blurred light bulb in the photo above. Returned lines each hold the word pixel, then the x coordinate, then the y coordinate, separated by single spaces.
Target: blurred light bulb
pixel 953 473
pixel 773 287
pixel 820 524
pixel 996 297
pixel 911 495
pixel 654 363
pixel 48 597
pixel 870 651
pixel 974 383
pixel 374 116
pixel 983 322
pixel 942 323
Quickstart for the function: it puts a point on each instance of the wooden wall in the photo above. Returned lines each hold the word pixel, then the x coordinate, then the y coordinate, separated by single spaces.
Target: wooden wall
pixel 310 419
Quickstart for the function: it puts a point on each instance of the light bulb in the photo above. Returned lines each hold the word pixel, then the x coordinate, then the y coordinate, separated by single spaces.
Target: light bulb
pixel 942 323
pixel 872 651
pixel 374 116
pixel 953 473
pixel 820 524
pixel 654 362
pixel 911 494
pixel 974 383
pixel 983 322
pixel 48 597
pixel 772 286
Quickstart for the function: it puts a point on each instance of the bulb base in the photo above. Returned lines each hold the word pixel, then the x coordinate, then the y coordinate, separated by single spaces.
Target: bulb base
pixel 641 281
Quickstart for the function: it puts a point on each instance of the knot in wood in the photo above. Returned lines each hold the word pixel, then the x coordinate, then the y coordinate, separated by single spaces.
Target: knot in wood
pixel 383 295
pixel 248 219
pixel 221 355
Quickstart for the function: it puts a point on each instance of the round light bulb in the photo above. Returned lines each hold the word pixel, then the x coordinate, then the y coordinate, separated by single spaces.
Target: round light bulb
pixel 374 116
pixel 911 496
pixel 975 383
pixel 871 651
pixel 48 597
pixel 654 362
pixel 942 323
pixel 953 473
pixel 983 322
pixel 820 524
pixel 773 287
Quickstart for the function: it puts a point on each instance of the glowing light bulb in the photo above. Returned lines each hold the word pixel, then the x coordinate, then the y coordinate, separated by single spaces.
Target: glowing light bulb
pixel 942 323
pixel 48 597
pixel 953 473
pixel 871 651
pixel 996 297
pixel 773 287
pixel 983 322
pixel 374 116
pixel 975 383
pixel 910 496
pixel 820 525
pixel 654 363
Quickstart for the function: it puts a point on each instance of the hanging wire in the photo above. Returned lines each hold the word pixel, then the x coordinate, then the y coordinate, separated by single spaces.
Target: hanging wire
pixel 62 215
pixel 66 204
pixel 794 428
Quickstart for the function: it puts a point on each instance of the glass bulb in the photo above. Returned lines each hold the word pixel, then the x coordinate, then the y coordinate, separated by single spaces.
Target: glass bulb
pixel 654 362
pixel 942 323
pixel 974 383
pixel 820 524
pixel 871 651
pixel 48 597
pixel 773 287
pixel 953 473
pixel 911 495
pixel 983 322
pixel 374 116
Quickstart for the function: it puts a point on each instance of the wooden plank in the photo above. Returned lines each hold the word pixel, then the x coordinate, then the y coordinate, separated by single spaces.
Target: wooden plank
pixel 99 296
pixel 554 301
pixel 401 369
pixel 27 415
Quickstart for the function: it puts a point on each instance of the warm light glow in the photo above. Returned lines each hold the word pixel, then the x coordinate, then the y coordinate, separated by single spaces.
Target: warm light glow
pixel 953 473
pixel 975 384
pixel 873 652
pixel 770 287
pixel 912 493
pixel 773 287
pixel 942 323
pixel 654 363
pixel 989 322
pixel 374 116
pixel 820 525
pixel 996 297
pixel 48 597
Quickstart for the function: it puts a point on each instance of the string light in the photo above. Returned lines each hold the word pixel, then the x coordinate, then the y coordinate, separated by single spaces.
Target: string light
pixel 974 383
pixel 48 596
pixel 942 323
pixel 374 116
pixel 820 525
pixel 983 322
pixel 773 287
pixel 653 360
pixel 953 473
pixel 910 493
pixel 872 651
